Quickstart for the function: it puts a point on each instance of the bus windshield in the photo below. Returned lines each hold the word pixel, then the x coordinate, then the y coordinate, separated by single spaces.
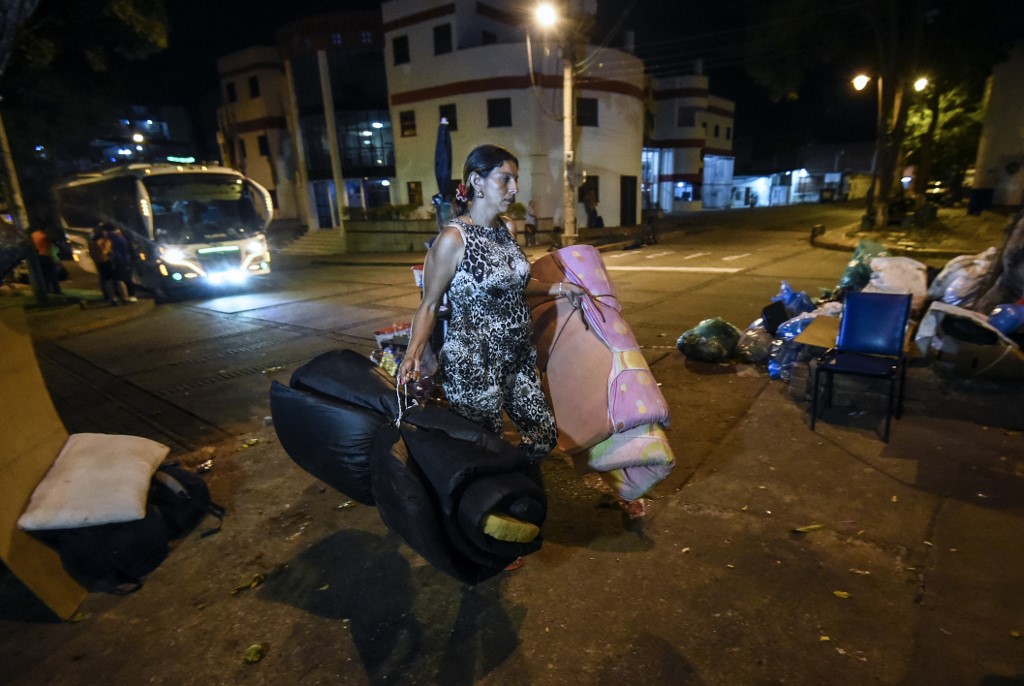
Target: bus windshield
pixel 202 208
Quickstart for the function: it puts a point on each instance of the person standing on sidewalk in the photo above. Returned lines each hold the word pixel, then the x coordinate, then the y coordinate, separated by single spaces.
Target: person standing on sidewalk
pixel 101 251
pixel 122 254
pixel 49 262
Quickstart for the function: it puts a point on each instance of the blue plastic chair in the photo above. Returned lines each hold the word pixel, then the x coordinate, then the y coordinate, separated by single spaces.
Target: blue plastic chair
pixel 871 341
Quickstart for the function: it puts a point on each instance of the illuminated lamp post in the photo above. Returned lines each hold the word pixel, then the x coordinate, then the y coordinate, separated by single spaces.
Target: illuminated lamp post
pixel 547 17
pixel 860 82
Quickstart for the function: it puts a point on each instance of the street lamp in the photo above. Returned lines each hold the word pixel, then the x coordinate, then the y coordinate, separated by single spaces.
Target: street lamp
pixel 887 142
pixel 548 18
pixel 860 82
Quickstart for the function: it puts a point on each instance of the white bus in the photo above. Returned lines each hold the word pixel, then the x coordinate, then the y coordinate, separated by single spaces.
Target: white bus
pixel 187 224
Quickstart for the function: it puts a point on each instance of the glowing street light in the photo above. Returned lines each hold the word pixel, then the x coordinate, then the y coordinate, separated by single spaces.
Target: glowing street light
pixel 138 138
pixel 920 84
pixel 547 17
pixel 860 81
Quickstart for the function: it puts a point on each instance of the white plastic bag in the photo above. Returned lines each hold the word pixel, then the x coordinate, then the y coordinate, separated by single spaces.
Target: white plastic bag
pixel 961 280
pixel 899 275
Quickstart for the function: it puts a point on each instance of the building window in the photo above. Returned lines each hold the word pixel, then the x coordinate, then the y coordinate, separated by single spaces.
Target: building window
pixel 407 121
pixel 488 38
pixel 254 86
pixel 264 145
pixel 499 113
pixel 442 39
pixel 586 111
pixel 229 92
pixel 241 149
pixel 415 191
pixel 716 130
pixel 400 47
pixel 366 37
pixel 683 191
pixel 449 112
pixel 686 116
pixel 728 133
pixel 336 39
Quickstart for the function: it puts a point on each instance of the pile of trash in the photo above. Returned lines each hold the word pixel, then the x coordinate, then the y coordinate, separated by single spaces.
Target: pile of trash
pixel 973 302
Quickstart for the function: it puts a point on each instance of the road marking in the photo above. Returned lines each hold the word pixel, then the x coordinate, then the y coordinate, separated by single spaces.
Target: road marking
pixel 689 270
pixel 659 254
pixel 617 255
pixel 735 257
pixel 696 254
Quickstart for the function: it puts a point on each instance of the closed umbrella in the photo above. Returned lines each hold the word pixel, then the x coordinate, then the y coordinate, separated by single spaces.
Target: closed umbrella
pixel 443 211
pixel 443 173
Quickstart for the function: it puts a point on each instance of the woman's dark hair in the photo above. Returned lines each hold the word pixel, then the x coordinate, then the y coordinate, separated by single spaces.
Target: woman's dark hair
pixel 483 159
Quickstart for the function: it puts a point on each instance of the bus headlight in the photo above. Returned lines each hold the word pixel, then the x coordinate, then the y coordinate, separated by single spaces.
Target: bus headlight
pixel 173 255
pixel 256 247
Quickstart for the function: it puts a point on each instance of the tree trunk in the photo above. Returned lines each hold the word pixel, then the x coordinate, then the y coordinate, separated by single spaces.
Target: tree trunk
pixel 35 272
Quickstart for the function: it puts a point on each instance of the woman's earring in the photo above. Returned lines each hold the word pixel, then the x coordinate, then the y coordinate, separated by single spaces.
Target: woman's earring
pixel 479 194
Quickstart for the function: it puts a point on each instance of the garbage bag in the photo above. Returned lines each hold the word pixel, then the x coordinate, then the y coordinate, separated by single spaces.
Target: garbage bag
pixel 858 269
pixel 784 350
pixel 795 302
pixel 713 340
pixel 1008 272
pixel 1007 318
pixel 755 345
pixel 899 275
pixel 962 279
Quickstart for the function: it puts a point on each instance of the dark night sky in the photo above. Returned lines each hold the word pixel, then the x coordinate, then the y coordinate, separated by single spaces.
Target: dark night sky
pixel 673 33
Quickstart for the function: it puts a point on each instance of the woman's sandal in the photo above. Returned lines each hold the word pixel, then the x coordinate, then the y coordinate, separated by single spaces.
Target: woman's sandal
pixel 635 509
pixel 516 564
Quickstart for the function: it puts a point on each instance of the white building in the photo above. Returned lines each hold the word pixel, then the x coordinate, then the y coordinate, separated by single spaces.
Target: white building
pixel 470 62
pixel 999 169
pixel 252 129
pixel 688 157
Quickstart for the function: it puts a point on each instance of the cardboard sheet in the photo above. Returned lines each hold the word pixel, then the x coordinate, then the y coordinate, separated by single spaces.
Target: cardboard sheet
pixel 32 434
pixel 820 333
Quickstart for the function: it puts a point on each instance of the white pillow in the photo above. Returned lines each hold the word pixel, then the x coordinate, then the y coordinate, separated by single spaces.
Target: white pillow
pixel 96 479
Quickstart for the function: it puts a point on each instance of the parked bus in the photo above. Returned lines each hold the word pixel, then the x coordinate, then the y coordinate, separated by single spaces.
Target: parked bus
pixel 187 224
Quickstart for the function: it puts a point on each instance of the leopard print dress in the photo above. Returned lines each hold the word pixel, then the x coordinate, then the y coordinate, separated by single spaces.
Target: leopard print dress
pixel 488 360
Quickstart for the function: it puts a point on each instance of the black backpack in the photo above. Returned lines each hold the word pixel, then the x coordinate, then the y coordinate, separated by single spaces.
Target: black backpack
pixel 115 557
pixel 183 500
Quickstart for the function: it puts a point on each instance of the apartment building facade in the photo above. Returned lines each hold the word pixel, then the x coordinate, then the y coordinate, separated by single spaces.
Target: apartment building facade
pixel 470 62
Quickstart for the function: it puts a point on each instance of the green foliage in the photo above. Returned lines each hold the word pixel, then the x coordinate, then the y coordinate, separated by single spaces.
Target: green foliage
pixel 65 82
pixel 957 133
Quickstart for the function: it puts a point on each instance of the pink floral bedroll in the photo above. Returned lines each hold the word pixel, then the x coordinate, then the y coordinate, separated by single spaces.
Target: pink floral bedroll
pixel 608 407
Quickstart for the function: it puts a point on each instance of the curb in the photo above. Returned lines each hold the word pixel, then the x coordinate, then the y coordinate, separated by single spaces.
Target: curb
pixel 839 239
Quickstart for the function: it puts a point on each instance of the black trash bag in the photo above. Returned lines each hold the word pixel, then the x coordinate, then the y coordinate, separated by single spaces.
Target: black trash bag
pixel 713 340
pixel 755 345
pixel 331 440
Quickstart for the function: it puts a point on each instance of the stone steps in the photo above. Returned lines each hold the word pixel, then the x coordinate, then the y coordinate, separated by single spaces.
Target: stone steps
pixel 315 242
